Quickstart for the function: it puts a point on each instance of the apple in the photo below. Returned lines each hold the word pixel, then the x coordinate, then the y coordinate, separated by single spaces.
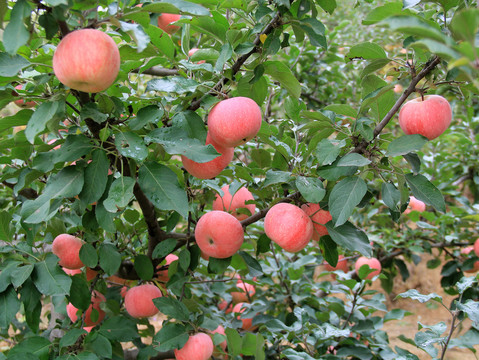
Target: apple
pixel 223 305
pixel 341 265
pixel 398 88
pixel 87 60
pixel 213 168
pixel 245 290
pixel 415 205
pixel 318 217
pixel 198 347
pixel 219 234
pixel 22 103
pixel 373 263
pixel 162 275
pixel 247 323
pixel 165 20
pixel 231 203
pixel 476 247
pixel 288 226
pixel 90 273
pixel 191 52
pixel 96 299
pixel 234 121
pixel 466 251
pixel 139 300
pixel 220 330
pixel 429 117
pixel 67 248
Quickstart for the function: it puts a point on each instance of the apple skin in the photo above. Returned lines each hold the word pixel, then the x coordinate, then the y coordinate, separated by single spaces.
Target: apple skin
pixel 476 247
pixel 429 118
pixel 219 234
pixel 198 347
pixel 247 323
pixel 234 121
pixel 318 217
pixel 219 330
pixel 288 226
pixel 139 300
pixel 87 60
pixel 90 273
pixel 415 205
pixel 341 265
pixel 230 203
pixel 67 248
pixel 96 299
pixel 22 103
pixel 213 168
pixel 163 274
pixel 373 263
pixel 245 288
pixel 164 21
pixel 466 251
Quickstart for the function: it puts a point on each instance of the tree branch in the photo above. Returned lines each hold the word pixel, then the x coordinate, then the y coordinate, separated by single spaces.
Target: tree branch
pixel 157 71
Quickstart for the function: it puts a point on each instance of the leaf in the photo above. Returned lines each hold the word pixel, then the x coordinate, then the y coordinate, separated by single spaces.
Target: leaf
pixel 465 23
pixel 350 237
pixel 110 258
pixel 382 12
pixel 328 150
pixel 226 52
pixel 6 229
pixel 120 194
pixel 176 141
pixel 391 196
pixel 281 73
pixel 147 115
pixel 119 328
pixel 344 197
pixel 218 266
pixel 88 255
pixel 11 65
pixel 9 306
pixel 327 5
pixel 315 30
pixel 366 50
pixel 175 84
pixel 160 184
pixel 254 266
pixel 177 6
pixel 16 34
pixel 36 345
pixel 208 25
pixel 44 113
pixel 131 145
pixel 71 337
pixel 342 109
pixel 90 111
pixel 172 308
pixel 21 274
pixel 49 278
pixel 310 188
pixel 144 267
pixel 374 65
pixel 353 160
pixel 100 345
pixel 80 294
pixel 412 25
pixel 74 147
pixel 413 294
pixel 425 191
pixel 138 34
pixel 162 41
pixel 275 177
pixel 406 144
pixel 164 248
pixel 471 308
pixel 96 176
pixel 171 336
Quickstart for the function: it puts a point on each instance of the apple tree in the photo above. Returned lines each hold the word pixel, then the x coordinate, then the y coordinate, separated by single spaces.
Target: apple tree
pixel 124 174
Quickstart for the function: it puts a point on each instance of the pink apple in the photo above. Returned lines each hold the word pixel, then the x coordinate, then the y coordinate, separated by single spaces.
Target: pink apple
pixel 234 121
pixel 220 330
pixel 139 300
pixel 245 290
pixel 96 299
pixel 163 274
pixel 429 118
pixel 191 52
pixel 288 226
pixel 373 263
pixel 415 205
pixel 231 203
pixel 219 234
pixel 198 347
pixel 247 322
pixel 223 305
pixel 466 251
pixel 476 247
pixel 67 248
pixel 165 20
pixel 341 265
pixel 318 217
pixel 213 168
pixel 87 60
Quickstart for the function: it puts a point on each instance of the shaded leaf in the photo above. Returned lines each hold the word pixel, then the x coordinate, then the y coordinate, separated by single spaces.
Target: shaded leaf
pixel 344 197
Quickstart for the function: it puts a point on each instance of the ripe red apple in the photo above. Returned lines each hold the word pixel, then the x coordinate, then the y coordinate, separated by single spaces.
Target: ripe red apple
pixel 22 103
pixel 162 275
pixel 96 299
pixel 223 306
pixel 198 347
pixel 429 118
pixel 191 52
pixel 415 205
pixel 234 121
pixel 67 248
pixel 247 323
pixel 139 300
pixel 87 60
pixel 341 265
pixel 373 263
pixel 288 226
pixel 466 251
pixel 230 203
pixel 476 247
pixel 165 20
pixel 211 168
pixel 245 289
pixel 318 217
pixel 219 234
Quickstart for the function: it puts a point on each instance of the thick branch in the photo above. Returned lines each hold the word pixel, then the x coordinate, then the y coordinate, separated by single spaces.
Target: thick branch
pixel 411 88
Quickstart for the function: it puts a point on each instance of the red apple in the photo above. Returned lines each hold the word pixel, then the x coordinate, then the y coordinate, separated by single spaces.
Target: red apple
pixel 165 20
pixel 96 299
pixel 318 217
pixel 231 203
pixel 222 306
pixel 373 263
pixel 341 265
pixel 139 300
pixel 67 248
pixel 476 247
pixel 288 226
pixel 87 60
pixel 211 168
pixel 234 121
pixel 245 290
pixel 415 205
pixel 163 274
pixel 429 118
pixel 198 347
pixel 219 234
pixel 247 323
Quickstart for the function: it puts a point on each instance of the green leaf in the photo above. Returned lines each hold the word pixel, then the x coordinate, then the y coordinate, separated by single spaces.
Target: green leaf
pixel 435 47
pixel 382 12
pixel 327 5
pixel 176 141
pixel 105 218
pixel 49 278
pixel 226 52
pixel 330 250
pixel 471 308
pixel 353 160
pixel 21 274
pixel 296 355
pixel 90 111
pixel 131 145
pixel 366 50
pixel 9 306
pixel 80 294
pixel 425 191
pixel 254 266
pixel 16 33
pixel 342 109
pixel 88 255
pixel 171 336
pixel 164 248
pixel 413 294
pixel 138 34
pixel 349 237
pixel 328 150
pixel 110 258
pixel 281 73
pixel 406 144
pixel 374 65
pixel 96 176
pixel 218 266
pixel 44 113
pixel 276 177
pixel 415 26
pixel 310 188
pixel 70 337
pixel 234 341
pixel 315 30
pixel 100 345
pixel 144 267
pixel 344 197
pixel 175 84
pixel 177 6
pixel 160 184
pixel 211 26
pixel 391 196
pixel 6 229
pixel 120 194
pixel 119 328
pixel 36 345
pixel 11 65
pixel 162 41
pixel 20 118
pixel 172 308
pixel 465 24
pixel 150 114
pixel 74 147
